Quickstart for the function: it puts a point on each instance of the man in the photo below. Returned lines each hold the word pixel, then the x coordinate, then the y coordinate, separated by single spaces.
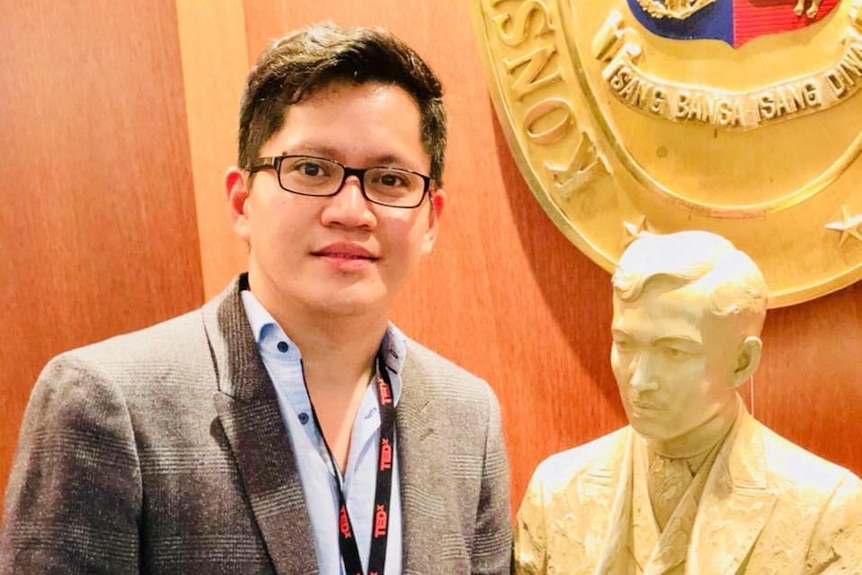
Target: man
pixel 694 485
pixel 285 427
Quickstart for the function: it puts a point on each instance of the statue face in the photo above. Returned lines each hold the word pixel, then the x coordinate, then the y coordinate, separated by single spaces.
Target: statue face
pixel 674 362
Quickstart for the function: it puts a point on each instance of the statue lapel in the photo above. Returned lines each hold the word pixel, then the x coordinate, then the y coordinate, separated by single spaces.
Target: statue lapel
pixel 673 543
pixel 735 504
pixel 607 497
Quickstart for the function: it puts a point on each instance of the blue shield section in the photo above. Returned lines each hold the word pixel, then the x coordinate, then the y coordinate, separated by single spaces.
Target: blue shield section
pixel 713 22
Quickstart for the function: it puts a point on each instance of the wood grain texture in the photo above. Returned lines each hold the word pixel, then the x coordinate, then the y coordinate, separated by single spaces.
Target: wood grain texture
pixel 98 231
pixel 215 63
pixel 809 386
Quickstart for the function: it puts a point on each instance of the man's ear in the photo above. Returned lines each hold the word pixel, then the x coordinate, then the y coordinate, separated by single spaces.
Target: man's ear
pixel 236 186
pixel 747 359
pixel 438 201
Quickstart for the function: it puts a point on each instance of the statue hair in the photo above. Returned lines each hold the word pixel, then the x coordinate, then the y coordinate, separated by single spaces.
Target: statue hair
pixel 734 284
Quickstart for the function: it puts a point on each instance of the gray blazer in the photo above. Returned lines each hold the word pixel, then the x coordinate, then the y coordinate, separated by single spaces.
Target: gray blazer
pixel 163 451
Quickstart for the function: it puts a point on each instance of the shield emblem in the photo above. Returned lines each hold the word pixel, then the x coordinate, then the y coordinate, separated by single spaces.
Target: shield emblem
pixel 734 22
pixel 618 127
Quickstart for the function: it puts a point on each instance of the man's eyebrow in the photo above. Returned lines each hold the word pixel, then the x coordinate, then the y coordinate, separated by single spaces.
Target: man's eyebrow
pixel 678 339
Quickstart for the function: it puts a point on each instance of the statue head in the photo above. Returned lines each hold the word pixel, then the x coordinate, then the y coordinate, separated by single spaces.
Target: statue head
pixel 688 310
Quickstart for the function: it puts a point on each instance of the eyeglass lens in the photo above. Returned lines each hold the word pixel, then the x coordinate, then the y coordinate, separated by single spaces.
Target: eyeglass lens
pixel 319 177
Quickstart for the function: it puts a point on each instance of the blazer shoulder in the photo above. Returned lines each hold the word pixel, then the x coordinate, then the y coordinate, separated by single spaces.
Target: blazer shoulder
pixel 165 335
pixel 182 340
pixel 177 344
pixel 440 375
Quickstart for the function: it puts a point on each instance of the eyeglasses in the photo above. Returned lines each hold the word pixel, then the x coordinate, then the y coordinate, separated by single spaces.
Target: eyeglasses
pixel 310 176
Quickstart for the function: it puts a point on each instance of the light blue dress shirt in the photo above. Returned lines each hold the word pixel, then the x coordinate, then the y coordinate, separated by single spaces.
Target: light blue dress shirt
pixel 281 358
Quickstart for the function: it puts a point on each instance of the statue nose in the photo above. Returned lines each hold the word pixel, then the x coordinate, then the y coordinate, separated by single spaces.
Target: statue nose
pixel 643 374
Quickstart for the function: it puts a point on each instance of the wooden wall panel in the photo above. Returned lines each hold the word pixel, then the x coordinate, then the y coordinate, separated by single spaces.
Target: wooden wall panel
pixel 97 227
pixel 215 63
pixel 809 386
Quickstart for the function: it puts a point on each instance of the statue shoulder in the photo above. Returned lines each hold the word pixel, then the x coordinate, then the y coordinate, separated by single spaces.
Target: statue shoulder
pixel 599 458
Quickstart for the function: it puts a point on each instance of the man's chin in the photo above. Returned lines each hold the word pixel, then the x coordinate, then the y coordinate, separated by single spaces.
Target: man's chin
pixel 352 303
pixel 653 428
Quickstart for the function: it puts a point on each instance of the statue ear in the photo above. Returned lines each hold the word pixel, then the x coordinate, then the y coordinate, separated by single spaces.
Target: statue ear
pixel 747 359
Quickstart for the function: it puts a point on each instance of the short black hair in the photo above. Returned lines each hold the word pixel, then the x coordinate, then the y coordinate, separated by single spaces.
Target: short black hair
pixel 295 66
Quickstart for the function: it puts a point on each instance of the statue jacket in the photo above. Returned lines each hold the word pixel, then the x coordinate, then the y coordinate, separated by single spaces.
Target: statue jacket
pixel 766 507
pixel 164 451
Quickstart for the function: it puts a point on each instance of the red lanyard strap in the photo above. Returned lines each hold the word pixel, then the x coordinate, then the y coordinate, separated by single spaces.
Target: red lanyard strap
pixel 383 486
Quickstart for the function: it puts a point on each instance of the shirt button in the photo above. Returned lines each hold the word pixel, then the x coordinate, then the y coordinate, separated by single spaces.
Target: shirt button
pixel 283 347
pixel 303 418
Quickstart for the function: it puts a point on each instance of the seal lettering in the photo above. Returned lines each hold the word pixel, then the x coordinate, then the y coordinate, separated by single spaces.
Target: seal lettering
pixel 520 34
pixel 534 63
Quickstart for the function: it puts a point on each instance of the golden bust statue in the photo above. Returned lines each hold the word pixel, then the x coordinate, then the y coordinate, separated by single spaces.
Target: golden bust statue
pixel 694 484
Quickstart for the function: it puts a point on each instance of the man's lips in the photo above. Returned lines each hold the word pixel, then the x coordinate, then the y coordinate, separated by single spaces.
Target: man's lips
pixel 644 405
pixel 345 250
pixel 640 403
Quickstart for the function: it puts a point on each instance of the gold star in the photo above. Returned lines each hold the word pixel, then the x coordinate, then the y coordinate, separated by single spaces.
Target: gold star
pixel 848 226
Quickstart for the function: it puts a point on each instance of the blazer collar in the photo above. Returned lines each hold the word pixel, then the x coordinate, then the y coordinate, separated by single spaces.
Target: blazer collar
pixel 240 371
pixel 249 414
pixel 735 504
pixel 256 435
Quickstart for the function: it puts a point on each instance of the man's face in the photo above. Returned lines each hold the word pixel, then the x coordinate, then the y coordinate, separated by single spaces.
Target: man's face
pixel 674 362
pixel 341 255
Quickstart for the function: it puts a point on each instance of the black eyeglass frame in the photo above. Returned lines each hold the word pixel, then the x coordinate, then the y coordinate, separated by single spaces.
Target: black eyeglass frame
pixel 275 162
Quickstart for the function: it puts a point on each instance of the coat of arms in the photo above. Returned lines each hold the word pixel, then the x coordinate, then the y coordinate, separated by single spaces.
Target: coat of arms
pixel 732 21
pixel 743 117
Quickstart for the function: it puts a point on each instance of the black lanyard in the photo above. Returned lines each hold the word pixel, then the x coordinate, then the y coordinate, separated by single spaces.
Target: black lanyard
pixel 383 487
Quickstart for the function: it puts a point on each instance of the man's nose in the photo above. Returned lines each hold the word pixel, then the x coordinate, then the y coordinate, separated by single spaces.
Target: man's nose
pixel 348 207
pixel 643 375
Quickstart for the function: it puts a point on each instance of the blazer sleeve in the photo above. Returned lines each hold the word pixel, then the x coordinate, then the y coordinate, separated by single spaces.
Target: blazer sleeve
pixel 492 543
pixel 74 495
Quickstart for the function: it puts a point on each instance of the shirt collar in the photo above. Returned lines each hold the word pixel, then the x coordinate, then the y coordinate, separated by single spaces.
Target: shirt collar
pixel 393 344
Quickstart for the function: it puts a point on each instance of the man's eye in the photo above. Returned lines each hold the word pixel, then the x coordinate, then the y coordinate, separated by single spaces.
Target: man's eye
pixel 675 353
pixel 308 169
pixel 392 180
pixel 623 346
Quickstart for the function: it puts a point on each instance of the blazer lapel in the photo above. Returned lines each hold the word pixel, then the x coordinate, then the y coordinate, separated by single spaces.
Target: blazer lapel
pixel 645 533
pixel 735 504
pixel 423 481
pixel 249 415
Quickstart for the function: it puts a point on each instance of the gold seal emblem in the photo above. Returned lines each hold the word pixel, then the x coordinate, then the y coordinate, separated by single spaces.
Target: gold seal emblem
pixel 741 118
